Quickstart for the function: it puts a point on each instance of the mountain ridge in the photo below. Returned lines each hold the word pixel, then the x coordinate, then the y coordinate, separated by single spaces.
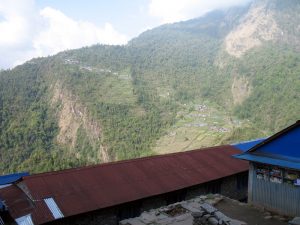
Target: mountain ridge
pixel 173 88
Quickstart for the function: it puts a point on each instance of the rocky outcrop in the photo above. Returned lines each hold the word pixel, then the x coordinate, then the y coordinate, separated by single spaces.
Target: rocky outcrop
pixel 72 115
pixel 240 89
pixel 256 26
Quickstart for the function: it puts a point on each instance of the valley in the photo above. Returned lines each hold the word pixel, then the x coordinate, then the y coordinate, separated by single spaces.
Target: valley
pixel 192 84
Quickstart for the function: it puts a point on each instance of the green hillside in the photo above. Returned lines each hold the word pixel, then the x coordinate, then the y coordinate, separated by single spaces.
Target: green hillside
pixel 181 86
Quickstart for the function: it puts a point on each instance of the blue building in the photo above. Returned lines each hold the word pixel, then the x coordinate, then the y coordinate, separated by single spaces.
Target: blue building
pixel 274 173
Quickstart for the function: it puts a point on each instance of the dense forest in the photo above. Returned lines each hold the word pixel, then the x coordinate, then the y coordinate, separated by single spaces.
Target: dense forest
pixel 106 103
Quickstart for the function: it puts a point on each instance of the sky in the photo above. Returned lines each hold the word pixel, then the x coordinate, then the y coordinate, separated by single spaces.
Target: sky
pixel 36 28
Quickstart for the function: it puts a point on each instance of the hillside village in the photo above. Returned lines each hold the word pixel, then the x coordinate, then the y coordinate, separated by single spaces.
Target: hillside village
pixel 226 77
pixel 112 193
pixel 192 122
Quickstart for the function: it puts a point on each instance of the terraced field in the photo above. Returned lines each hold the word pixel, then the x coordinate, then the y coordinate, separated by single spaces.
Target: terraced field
pixel 200 124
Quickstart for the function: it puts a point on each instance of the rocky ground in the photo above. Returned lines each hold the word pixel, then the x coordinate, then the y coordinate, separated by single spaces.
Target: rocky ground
pixel 250 214
pixel 207 210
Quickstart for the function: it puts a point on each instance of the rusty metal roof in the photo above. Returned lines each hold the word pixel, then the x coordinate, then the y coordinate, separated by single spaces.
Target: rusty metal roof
pixel 90 188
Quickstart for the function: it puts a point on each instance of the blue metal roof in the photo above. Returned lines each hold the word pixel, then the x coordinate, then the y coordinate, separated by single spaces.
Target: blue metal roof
pixel 271 161
pixel 10 178
pixel 245 146
pixel 287 144
pixel 281 149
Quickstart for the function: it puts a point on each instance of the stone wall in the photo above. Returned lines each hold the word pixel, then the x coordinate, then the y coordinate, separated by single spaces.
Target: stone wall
pixel 235 187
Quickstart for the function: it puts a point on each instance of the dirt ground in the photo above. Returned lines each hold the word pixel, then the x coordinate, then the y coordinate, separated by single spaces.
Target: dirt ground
pixel 246 213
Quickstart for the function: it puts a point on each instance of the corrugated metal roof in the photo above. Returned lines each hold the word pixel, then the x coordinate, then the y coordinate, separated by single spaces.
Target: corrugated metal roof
pixel 270 161
pixel 90 188
pixel 19 204
pixel 24 220
pixel 53 208
pixel 10 178
pixel 281 149
pixel 287 138
pixel 245 146
pixel 4 185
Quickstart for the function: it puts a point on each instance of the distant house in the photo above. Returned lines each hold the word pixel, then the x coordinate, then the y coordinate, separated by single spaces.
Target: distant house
pixel 110 192
pixel 274 174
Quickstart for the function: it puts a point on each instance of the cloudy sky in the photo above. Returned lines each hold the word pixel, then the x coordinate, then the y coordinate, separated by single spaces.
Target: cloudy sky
pixel 33 28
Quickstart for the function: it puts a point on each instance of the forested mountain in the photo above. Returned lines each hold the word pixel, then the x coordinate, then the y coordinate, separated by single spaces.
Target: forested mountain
pixel 226 77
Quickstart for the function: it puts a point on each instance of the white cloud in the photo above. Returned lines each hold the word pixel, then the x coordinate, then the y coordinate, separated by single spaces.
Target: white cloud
pixel 15 22
pixel 27 32
pixel 169 11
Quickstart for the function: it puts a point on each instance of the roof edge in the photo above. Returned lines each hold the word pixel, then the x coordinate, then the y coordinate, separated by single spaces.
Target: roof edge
pixel 11 178
pixel 274 136
pixel 70 170
pixel 264 160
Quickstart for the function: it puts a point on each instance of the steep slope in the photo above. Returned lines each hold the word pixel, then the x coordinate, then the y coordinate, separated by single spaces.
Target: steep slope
pixel 270 64
pixel 225 77
pixel 256 26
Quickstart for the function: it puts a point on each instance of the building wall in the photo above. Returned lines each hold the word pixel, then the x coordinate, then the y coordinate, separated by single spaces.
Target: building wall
pixel 153 203
pixel 232 186
pixel 280 197
pixel 100 217
pixel 235 187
